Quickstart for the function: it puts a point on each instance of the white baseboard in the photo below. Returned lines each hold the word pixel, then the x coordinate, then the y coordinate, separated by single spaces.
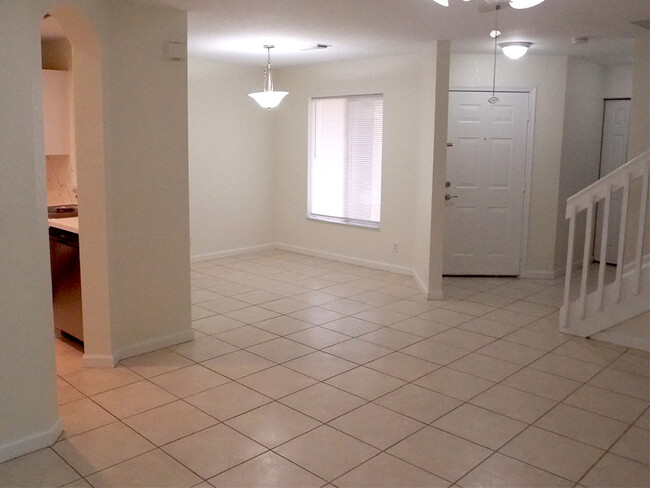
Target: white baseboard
pixel 197 258
pixel 32 442
pixel 347 259
pixel 154 344
pixel 98 361
pixel 429 295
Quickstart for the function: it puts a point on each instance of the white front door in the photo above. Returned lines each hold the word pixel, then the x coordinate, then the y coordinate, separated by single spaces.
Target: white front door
pixel 486 166
pixel 613 155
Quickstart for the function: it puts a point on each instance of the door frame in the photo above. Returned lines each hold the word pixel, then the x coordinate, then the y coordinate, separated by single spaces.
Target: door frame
pixel 528 164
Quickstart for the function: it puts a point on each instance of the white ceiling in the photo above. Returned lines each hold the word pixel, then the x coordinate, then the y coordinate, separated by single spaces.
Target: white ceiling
pixel 236 30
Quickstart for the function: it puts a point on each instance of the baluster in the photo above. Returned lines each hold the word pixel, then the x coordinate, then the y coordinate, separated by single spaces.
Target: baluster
pixel 564 319
pixel 641 230
pixel 586 258
pixel 621 239
pixel 603 248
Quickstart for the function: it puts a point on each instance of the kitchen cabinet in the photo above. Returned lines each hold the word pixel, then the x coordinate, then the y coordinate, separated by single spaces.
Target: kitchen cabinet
pixel 57 112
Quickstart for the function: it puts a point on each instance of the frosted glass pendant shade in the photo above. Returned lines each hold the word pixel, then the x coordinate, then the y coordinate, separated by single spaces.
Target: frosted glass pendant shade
pixel 268 99
pixel 444 3
pixel 520 4
pixel 515 50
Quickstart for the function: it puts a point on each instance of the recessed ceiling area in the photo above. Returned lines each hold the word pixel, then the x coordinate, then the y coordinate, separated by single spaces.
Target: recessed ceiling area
pixel 235 30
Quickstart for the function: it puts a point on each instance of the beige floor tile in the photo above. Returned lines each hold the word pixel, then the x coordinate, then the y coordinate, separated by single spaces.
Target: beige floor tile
pixel 607 403
pixel 489 328
pixel 224 305
pixel 390 338
pixel 366 383
pixel 503 471
pixel 215 324
pixel 283 325
pixel 542 384
pixel 400 291
pixel 272 424
pixel 280 350
pixel 634 444
pixel 530 308
pixel 454 383
pixel 463 339
pixel 643 421
pixel 80 483
pixel 436 352
pixel 633 363
pixel 91 381
pixel 169 422
pixel 440 453
pixel 590 351
pixel 375 299
pixel 238 364
pixel 386 471
pixel 485 367
pixel 358 351
pixel 583 426
pixel 267 470
pixel 381 316
pixel 189 381
pixel 469 308
pixel 622 382
pixel 446 317
pixel 227 401
pixel 318 337
pixel 315 297
pixel 285 306
pixel 509 317
pixel 346 306
pixel 326 452
pixel 155 363
pixel 481 426
pixel 514 403
pixel 316 315
pixel 213 450
pixel 245 336
pixel 490 299
pixel 402 366
pixel 420 327
pixel 277 382
pixel 323 402
pixel 567 367
pixel 351 326
pixel 320 365
pixel 251 315
pixel 132 399
pixel 100 448
pixel 201 295
pixel 66 392
pixel 418 403
pixel 82 416
pixel 410 308
pixel 509 351
pixel 617 472
pixel 559 455
pixel 376 425
pixel 42 468
pixel 199 313
pixel 152 469
pixel 538 340
pixel 203 349
pixel 255 297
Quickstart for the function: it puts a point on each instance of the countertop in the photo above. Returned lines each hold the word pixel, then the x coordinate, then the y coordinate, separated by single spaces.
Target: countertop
pixel 70 224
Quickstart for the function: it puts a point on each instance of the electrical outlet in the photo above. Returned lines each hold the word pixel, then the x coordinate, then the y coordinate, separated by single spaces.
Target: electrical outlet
pixel 396 248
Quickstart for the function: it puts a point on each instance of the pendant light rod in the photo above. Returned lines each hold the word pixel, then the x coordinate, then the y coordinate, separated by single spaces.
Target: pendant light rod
pixel 493 99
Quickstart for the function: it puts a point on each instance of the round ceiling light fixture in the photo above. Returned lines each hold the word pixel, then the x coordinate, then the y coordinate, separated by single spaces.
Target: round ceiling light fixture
pixel 521 4
pixel 515 50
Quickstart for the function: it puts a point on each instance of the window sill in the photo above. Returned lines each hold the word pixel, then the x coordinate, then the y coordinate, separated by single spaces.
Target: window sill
pixel 349 223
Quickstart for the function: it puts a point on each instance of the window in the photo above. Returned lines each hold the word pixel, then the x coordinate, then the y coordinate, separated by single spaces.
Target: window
pixel 345 150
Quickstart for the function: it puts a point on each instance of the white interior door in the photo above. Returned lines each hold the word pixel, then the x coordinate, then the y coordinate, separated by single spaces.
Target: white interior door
pixel 486 167
pixel 613 155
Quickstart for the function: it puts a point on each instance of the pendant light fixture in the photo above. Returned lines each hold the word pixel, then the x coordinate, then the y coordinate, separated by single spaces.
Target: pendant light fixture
pixel 516 4
pixel 268 98
pixel 515 50
pixel 494 99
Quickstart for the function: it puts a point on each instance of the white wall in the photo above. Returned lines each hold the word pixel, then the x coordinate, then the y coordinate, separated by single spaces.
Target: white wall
pixel 147 203
pixel 399 79
pixel 583 126
pixel 232 170
pixel 618 81
pixel 548 75
pixel 639 125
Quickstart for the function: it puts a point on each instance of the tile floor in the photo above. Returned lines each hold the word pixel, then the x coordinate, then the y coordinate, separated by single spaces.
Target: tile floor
pixel 309 372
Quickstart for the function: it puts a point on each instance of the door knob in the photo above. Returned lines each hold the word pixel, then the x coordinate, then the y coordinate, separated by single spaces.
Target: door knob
pixel 449 197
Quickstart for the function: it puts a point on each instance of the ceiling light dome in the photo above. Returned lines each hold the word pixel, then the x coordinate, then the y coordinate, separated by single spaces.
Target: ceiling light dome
pixel 515 50
pixel 521 4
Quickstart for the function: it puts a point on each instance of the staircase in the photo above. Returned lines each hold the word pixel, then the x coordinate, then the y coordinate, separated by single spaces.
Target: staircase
pixel 598 296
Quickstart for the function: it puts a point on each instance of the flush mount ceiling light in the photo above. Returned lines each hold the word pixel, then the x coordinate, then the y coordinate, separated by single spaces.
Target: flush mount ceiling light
pixel 517 4
pixel 268 98
pixel 515 50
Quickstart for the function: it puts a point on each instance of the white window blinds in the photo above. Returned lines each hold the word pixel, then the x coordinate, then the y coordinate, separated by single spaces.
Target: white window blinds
pixel 345 159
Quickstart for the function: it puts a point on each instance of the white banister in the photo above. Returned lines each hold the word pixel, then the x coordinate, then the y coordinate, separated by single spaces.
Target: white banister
pixel 621 239
pixel 641 230
pixel 586 258
pixel 569 266
pixel 603 248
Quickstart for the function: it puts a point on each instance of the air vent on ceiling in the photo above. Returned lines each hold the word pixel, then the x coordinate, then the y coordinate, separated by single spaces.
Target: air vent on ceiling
pixel 645 24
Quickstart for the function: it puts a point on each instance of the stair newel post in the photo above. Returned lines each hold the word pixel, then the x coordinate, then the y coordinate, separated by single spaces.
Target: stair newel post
pixel 564 315
pixel 603 247
pixel 586 257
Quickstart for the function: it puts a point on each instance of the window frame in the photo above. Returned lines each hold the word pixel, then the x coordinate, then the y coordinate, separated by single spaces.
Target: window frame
pixel 367 224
